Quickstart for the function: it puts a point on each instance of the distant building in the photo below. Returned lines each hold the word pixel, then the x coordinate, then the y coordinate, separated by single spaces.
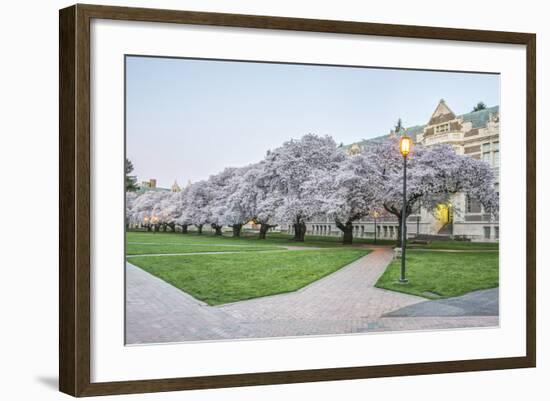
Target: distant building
pixel 354 149
pixel 150 185
pixel 175 187
pixel 475 134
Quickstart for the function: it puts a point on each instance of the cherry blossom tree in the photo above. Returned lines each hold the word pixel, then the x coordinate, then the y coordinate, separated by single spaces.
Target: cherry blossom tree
pixel 346 195
pixel 197 211
pixel 181 205
pixel 131 197
pixel 310 177
pixel 167 210
pixel 240 198
pixel 220 188
pixel 251 200
pixel 143 209
pixel 434 175
pixel 288 168
pixel 266 212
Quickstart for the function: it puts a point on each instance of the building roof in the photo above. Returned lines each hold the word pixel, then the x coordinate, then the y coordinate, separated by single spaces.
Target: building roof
pixel 410 131
pixel 441 114
pixel 143 189
pixel 480 118
pixel 414 131
pixel 477 118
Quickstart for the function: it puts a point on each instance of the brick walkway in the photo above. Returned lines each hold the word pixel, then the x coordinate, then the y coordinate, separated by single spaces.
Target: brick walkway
pixel 338 303
pixel 157 312
pixel 343 302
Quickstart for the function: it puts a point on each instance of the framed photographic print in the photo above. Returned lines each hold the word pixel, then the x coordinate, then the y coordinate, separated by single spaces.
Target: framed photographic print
pixel 250 200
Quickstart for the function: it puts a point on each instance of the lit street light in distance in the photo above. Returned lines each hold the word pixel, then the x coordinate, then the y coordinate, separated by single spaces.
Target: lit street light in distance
pixel 405 145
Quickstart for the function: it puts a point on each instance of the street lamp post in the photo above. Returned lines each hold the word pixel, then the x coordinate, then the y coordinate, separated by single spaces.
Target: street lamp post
pixel 405 149
pixel 450 218
pixel 375 215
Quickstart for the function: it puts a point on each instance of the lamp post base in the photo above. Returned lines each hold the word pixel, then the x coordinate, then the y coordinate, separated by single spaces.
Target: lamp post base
pixel 403 281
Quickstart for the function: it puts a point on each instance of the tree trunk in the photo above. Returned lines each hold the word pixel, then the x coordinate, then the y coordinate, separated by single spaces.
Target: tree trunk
pixel 164 227
pixel 299 231
pixel 184 229
pixel 237 230
pixel 172 226
pixel 398 243
pixel 199 228
pixel 264 228
pixel 148 227
pixel 157 228
pixel 397 213
pixel 347 229
pixel 217 228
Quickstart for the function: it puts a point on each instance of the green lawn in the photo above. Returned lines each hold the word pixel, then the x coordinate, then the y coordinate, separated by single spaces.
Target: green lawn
pixel 247 238
pixel 251 273
pixel 160 243
pixel 140 248
pixel 320 240
pixel 223 278
pixel 277 239
pixel 443 274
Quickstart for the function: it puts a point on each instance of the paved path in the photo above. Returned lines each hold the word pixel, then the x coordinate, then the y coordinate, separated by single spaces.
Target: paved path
pixel 158 312
pixel 339 303
pixel 476 303
pixel 343 302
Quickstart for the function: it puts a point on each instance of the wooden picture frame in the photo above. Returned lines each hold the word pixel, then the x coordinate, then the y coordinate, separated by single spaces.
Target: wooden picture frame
pixel 74 199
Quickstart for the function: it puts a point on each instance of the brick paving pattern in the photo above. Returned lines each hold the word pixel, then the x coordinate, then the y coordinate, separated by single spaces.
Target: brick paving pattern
pixel 343 302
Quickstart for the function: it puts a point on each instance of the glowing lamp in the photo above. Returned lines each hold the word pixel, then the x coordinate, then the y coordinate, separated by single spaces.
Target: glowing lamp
pixel 405 145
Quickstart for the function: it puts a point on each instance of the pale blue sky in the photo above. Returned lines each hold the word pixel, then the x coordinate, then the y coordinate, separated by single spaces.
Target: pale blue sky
pixel 187 119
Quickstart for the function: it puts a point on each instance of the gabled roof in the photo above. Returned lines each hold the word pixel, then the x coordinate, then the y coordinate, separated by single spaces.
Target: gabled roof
pixel 441 114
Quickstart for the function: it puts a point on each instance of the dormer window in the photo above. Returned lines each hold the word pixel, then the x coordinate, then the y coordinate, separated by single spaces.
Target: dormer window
pixel 442 128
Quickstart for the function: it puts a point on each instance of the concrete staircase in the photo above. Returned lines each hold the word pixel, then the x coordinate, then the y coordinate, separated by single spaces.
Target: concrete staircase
pixel 447 229
pixel 431 237
pixel 444 233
